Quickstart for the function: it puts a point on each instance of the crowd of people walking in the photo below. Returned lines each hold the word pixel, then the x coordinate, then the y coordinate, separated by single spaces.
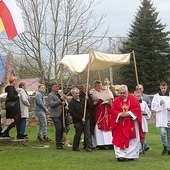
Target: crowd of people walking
pixel 108 120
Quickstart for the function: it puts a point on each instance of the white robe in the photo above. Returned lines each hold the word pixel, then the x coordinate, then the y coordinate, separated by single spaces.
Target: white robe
pixel 101 137
pixel 146 115
pixel 132 151
pixel 162 113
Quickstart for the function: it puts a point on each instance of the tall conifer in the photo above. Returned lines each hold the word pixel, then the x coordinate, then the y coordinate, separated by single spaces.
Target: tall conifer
pixel 152 50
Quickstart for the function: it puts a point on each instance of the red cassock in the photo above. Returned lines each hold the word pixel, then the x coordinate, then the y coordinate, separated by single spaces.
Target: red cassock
pixel 124 129
pixel 102 116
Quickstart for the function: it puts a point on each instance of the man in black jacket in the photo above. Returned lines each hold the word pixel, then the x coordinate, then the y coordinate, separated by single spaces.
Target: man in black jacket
pixel 81 124
pixel 89 109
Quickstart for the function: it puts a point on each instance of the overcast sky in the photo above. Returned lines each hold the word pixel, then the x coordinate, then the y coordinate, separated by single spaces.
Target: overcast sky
pixel 120 14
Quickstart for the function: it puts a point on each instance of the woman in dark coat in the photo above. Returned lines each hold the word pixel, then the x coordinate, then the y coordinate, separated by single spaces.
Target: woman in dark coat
pixel 14 112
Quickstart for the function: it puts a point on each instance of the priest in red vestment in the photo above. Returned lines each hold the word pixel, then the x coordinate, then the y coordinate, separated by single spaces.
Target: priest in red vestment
pixel 102 134
pixel 127 126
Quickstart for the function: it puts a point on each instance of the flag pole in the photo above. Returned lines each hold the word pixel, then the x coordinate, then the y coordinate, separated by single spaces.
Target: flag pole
pixel 136 72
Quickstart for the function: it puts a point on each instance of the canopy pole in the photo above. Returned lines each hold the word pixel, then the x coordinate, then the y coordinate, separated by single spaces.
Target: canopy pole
pixel 110 69
pixel 136 72
pixel 61 81
pixel 87 84
pixel 98 72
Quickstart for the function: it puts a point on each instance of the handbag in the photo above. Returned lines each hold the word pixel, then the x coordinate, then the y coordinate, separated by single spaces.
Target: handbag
pixel 10 105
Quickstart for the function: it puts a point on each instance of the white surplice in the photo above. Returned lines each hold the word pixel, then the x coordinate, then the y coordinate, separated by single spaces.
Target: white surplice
pixel 146 115
pixel 101 137
pixel 162 113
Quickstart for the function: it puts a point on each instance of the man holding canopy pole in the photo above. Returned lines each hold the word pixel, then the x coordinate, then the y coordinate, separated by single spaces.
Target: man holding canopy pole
pixel 56 102
pixel 81 123
pixel 89 109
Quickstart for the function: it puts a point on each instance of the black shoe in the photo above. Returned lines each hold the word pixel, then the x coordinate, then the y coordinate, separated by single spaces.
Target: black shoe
pixel 25 135
pixel 102 147
pixel 89 150
pixel 21 136
pixel 146 148
pixel 165 151
pixel 120 159
pixel 77 149
pixel 5 134
pixel 129 159
pixel 110 147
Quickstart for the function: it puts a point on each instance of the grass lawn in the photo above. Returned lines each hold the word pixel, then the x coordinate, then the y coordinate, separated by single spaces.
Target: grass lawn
pixel 29 158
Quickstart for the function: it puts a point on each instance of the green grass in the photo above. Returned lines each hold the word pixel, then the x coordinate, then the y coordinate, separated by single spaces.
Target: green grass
pixel 29 158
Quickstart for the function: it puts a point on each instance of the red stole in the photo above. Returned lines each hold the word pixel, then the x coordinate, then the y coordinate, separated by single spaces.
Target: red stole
pixel 102 116
pixel 124 130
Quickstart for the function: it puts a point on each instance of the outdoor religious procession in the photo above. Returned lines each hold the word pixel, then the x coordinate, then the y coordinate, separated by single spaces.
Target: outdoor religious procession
pixel 84 84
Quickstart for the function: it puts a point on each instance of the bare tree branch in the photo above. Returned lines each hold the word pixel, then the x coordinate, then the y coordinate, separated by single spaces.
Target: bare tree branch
pixel 54 28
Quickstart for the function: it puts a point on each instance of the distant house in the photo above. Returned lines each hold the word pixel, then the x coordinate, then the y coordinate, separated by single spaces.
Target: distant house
pixel 31 84
pixel 6 70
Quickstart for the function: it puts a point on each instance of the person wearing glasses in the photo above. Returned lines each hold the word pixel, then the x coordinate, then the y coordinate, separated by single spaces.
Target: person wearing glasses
pixel 161 105
pixel 127 131
pixel 145 97
pixel 146 114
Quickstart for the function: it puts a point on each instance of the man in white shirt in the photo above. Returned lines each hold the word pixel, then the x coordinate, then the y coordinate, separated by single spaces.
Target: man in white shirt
pixel 161 105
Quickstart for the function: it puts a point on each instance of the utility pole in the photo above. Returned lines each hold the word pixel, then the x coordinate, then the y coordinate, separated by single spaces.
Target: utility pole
pixel 78 46
pixel 110 69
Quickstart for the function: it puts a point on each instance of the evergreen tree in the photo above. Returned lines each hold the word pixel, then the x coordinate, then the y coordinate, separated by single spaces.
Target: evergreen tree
pixel 152 50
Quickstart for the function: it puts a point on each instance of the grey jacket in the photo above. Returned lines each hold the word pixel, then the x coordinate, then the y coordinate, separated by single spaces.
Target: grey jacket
pixel 40 105
pixel 55 105
pixel 146 98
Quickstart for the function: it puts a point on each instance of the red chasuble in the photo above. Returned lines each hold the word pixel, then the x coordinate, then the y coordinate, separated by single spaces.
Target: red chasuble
pixel 102 116
pixel 124 129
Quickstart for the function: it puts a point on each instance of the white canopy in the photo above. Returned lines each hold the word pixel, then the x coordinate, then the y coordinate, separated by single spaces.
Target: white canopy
pixel 78 63
pixel 93 61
